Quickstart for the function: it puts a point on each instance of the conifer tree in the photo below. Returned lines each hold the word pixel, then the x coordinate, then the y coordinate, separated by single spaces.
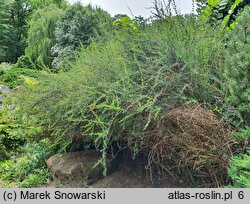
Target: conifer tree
pixel 237 70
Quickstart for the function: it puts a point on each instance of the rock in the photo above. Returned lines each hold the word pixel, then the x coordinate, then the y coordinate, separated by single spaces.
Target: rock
pixel 75 169
pixel 19 89
pixel 1 102
pixel 1 99
pixel 4 89
pixel 10 108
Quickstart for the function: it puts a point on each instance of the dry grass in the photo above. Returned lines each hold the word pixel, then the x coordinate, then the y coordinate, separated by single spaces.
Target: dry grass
pixel 192 138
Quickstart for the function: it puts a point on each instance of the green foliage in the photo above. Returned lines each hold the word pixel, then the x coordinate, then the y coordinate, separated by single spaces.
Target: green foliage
pixel 21 174
pixel 25 62
pixel 118 88
pixel 14 15
pixel 239 170
pixel 125 23
pixel 77 28
pixel 243 134
pixel 5 33
pixel 213 2
pixel 12 169
pixel 200 5
pixel 237 66
pixel 37 152
pixel 41 37
pixel 36 179
pixel 28 170
pixel 12 76
pixel 117 16
pixel 14 25
pixel 223 12
pixel 38 4
pixel 11 134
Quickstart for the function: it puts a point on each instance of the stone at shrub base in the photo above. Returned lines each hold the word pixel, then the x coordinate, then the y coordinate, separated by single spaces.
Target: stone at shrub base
pixel 75 169
pixel 4 89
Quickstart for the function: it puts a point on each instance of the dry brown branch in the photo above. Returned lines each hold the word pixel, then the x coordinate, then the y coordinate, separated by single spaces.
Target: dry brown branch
pixel 194 138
